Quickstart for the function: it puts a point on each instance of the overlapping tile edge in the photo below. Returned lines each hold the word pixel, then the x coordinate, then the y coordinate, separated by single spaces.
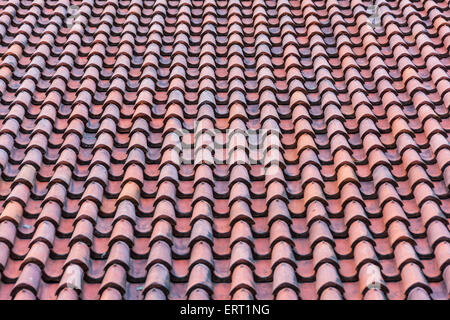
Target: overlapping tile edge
pixel 347 197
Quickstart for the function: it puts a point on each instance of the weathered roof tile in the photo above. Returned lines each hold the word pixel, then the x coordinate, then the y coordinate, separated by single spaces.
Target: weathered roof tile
pixel 224 149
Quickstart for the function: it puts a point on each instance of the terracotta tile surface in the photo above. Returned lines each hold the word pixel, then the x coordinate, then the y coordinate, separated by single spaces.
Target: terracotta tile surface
pixel 128 170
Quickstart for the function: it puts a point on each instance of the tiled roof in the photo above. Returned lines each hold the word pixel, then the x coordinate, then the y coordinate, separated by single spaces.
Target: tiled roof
pixel 129 167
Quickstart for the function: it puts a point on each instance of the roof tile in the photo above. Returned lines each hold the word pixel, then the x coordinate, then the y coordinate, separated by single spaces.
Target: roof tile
pixel 224 150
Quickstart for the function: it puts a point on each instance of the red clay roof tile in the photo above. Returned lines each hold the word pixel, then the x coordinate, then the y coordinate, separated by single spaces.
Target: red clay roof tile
pixel 129 155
